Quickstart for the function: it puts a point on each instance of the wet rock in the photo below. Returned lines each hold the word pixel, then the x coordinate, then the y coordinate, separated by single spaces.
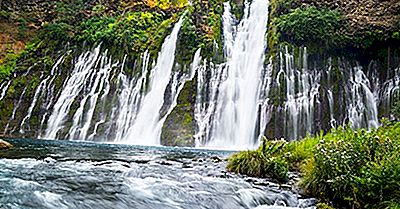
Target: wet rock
pixel 5 145
pixel 165 163
pixel 178 128
pixel 216 159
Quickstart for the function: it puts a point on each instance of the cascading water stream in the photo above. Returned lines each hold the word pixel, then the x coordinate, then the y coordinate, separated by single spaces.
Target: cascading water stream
pixel 362 103
pixel 73 86
pixel 44 84
pixel 299 106
pixel 81 120
pixel 130 98
pixel 312 102
pixel 237 101
pixel 390 89
pixel 146 128
pixel 4 87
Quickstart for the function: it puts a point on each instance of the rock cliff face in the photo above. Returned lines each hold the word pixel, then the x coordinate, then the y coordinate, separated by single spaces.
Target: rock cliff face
pixel 311 86
pixel 363 16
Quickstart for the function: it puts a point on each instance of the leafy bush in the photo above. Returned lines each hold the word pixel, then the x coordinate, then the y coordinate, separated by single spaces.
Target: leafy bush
pixel 8 64
pixel 310 26
pixel 57 31
pixel 133 30
pixel 351 169
pixel 358 169
pixel 260 163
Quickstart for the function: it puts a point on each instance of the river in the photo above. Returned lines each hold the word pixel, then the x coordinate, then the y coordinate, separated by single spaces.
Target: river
pixel 66 174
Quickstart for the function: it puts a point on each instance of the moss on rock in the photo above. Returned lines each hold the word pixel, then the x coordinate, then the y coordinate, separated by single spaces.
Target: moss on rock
pixel 179 127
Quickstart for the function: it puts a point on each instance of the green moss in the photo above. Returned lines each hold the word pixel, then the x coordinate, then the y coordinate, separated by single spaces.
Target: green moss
pixel 188 42
pixel 322 27
pixel 178 128
pixel 237 9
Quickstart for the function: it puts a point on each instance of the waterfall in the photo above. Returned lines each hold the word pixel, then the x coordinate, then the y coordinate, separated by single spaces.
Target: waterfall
pixel 239 99
pixel 42 87
pixel 390 89
pixel 83 68
pixel 302 91
pixel 146 128
pixel 129 98
pixel 6 129
pixel 235 113
pixel 206 97
pixel 228 29
pixel 311 102
pixel 134 116
pixel 361 101
pixel 3 89
pixel 82 121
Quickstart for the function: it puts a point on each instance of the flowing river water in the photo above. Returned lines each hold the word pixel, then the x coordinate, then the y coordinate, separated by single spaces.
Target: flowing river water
pixel 64 174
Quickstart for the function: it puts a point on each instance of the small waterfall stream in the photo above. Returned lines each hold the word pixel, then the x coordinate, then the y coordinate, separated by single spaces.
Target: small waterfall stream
pixel 312 100
pixel 146 128
pixel 362 103
pixel 129 98
pixel 3 89
pixel 72 88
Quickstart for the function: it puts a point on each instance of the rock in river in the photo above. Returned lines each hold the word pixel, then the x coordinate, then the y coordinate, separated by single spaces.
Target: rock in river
pixel 5 145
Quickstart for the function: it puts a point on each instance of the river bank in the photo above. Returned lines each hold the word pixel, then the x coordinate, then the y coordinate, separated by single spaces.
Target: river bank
pixel 343 168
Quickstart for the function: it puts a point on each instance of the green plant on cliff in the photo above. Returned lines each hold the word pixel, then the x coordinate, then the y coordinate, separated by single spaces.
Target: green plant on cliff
pixel 134 31
pixel 7 65
pixel 311 26
pixel 188 42
pixel 351 169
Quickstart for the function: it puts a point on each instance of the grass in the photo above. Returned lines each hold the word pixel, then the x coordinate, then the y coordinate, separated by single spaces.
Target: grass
pixel 346 168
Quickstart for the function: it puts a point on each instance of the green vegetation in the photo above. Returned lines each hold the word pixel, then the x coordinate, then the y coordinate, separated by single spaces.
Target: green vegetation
pixel 6 68
pixel 311 26
pixel 178 130
pixel 260 163
pixel 351 169
pixel 134 30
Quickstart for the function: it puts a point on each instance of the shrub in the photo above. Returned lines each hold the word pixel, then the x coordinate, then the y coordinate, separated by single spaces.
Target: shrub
pixel 310 26
pixel 358 169
pixel 257 163
pixel 7 65
pixel 57 31
pixel 351 169
pixel 134 30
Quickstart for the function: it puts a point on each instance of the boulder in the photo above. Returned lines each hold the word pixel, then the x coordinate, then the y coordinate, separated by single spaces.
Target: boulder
pixel 5 145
